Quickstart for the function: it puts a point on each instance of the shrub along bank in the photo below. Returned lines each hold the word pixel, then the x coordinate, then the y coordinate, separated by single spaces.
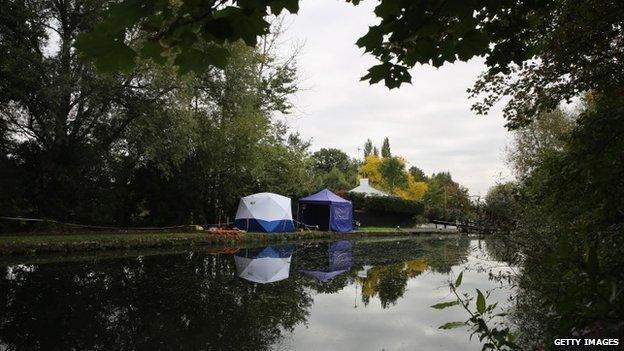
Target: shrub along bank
pixel 385 211
pixel 386 204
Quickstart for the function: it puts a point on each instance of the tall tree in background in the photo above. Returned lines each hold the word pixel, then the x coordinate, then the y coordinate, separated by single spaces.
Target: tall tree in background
pixel 532 144
pixel 446 199
pixel 393 173
pixel 418 174
pixel 375 151
pixel 368 148
pixel 385 148
pixel 325 160
pixel 335 169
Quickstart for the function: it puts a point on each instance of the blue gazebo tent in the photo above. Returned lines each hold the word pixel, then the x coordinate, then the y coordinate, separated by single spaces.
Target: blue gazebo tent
pixel 339 261
pixel 326 210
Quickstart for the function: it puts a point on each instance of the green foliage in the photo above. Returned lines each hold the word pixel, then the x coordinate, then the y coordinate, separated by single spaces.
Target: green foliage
pixel 418 174
pixel 566 210
pixel 458 281
pixel 538 53
pixel 574 43
pixel 151 147
pixel 533 143
pixel 385 148
pixel 193 34
pixel 443 305
pixel 452 325
pixel 393 173
pixel 385 204
pixel 333 169
pixel 480 302
pixel 325 160
pixel 368 148
pixel 484 320
pixel 573 255
pixel 502 206
pixel 447 200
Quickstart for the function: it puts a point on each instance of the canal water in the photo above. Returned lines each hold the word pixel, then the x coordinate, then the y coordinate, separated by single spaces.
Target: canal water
pixel 367 294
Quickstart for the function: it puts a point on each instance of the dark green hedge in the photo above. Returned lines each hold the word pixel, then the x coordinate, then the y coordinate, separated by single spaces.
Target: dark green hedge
pixel 385 204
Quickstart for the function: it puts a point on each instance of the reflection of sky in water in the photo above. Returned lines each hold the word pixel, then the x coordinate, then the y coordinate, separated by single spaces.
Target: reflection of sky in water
pixel 341 321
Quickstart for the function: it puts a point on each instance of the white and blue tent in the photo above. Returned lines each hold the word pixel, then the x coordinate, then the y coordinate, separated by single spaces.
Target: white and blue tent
pixel 264 212
pixel 264 265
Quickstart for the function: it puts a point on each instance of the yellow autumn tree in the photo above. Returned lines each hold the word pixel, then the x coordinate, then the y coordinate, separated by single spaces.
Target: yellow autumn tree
pixel 370 169
pixel 414 190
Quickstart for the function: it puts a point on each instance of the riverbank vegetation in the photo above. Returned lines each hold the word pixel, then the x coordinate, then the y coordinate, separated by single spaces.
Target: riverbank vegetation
pixel 158 145
pixel 565 213
pixel 565 208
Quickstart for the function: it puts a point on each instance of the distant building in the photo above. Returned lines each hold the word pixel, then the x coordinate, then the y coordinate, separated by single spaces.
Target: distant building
pixel 365 188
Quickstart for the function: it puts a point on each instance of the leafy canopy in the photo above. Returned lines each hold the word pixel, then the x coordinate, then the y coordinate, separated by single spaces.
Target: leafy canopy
pixel 537 52
pixel 191 33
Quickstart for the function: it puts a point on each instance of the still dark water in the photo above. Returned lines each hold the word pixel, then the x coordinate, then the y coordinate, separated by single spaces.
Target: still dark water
pixel 346 295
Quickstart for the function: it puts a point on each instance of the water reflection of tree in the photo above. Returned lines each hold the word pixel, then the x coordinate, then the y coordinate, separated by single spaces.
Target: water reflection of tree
pixel 184 302
pixel 191 301
pixel 389 282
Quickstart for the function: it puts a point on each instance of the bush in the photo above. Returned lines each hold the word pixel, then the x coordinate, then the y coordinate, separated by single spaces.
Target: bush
pixel 385 204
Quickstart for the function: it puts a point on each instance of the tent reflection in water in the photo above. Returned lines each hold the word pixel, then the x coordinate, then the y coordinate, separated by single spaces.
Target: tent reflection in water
pixel 265 212
pixel 339 255
pixel 326 210
pixel 264 265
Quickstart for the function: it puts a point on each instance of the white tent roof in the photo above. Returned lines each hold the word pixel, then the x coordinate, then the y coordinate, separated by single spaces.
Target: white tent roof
pixel 263 270
pixel 365 188
pixel 265 206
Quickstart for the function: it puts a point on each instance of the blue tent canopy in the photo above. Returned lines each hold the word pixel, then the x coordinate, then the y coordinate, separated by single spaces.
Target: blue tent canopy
pixel 327 210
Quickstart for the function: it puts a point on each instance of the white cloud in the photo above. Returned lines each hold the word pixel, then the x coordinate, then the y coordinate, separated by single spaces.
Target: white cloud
pixel 429 122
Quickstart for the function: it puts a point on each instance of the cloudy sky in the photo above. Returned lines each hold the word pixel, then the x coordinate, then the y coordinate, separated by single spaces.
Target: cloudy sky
pixel 429 122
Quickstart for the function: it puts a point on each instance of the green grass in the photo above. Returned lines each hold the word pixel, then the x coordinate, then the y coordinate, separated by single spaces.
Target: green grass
pixel 377 229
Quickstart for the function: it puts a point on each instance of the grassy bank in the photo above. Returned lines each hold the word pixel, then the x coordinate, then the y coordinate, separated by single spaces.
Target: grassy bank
pixel 39 243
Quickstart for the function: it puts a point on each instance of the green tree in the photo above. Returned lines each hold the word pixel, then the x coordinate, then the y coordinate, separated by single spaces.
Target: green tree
pixel 532 143
pixel 368 148
pixel 336 180
pixel 393 173
pixel 335 169
pixel 63 117
pixel 325 160
pixel 502 207
pixel 150 146
pixel 375 151
pixel 418 174
pixel 570 229
pixel 446 199
pixel 385 148
pixel 236 148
